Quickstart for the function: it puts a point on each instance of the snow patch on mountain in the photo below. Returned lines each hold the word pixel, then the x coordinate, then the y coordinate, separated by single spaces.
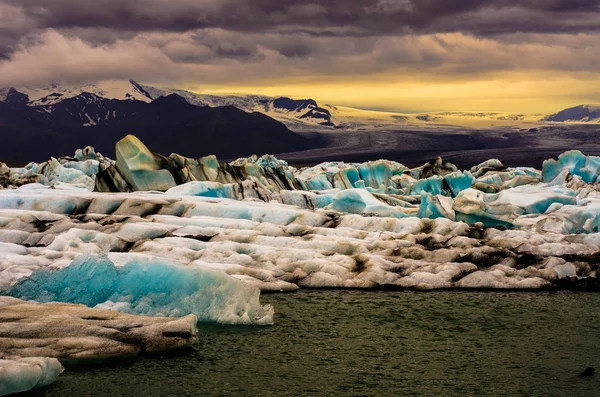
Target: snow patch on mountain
pixel 110 89
pixel 284 109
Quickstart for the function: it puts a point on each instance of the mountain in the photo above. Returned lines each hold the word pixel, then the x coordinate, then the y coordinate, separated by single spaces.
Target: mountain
pixel 55 93
pixel 287 110
pixel 581 113
pixel 167 124
pixel 296 114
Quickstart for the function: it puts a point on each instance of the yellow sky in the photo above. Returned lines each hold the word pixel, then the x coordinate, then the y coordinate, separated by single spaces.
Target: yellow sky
pixel 517 92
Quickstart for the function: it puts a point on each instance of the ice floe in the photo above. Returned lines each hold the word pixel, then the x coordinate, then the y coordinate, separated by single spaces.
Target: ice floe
pixel 78 335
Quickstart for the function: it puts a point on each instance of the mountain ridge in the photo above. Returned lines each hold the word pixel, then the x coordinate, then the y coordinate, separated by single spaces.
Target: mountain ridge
pixel 296 114
pixel 586 113
pixel 168 124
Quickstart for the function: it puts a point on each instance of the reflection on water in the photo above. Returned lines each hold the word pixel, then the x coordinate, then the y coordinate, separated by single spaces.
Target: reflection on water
pixel 355 343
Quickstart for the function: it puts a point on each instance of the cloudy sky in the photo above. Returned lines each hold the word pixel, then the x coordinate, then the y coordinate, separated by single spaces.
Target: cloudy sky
pixel 405 55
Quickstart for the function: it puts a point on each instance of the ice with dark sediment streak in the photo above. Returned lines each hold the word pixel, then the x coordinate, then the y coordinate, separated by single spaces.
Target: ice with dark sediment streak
pixel 76 335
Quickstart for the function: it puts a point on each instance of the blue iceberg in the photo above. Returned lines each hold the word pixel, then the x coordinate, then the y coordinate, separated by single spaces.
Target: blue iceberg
pixel 574 162
pixel 148 287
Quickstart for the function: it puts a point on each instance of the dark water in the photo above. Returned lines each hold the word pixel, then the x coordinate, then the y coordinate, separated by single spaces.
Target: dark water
pixel 379 344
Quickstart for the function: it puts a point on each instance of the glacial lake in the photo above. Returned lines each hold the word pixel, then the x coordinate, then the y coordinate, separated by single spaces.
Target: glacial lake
pixel 354 343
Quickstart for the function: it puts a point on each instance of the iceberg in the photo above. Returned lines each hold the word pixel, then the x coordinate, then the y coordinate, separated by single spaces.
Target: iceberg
pixel 77 335
pixel 204 189
pixel 275 227
pixel 148 287
pixel 436 206
pixel 360 201
pixel 24 374
pixel 575 163
pixel 502 209
pixel 458 181
pixel 140 168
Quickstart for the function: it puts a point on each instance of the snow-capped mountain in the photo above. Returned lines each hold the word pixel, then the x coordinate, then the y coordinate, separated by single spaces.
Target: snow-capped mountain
pixel 168 123
pixel 297 114
pixel 110 89
pixel 289 111
pixel 579 114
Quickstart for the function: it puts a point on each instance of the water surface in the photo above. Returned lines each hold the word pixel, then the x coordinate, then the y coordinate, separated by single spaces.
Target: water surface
pixel 354 343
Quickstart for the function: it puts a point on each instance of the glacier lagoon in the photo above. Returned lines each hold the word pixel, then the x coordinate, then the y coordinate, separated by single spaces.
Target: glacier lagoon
pixel 172 236
pixel 357 343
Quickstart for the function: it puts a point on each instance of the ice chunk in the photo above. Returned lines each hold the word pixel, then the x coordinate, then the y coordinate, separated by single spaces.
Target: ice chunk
pixel 57 173
pixel 503 208
pixel 148 287
pixel 359 201
pixel 486 166
pixel 75 334
pixel 204 189
pixel 139 166
pixel 432 185
pixel 436 207
pixel 88 153
pixel 88 167
pixel 24 374
pixel 582 218
pixel 575 163
pixel 458 181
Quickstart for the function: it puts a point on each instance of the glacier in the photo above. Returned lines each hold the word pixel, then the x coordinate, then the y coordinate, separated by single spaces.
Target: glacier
pixel 147 287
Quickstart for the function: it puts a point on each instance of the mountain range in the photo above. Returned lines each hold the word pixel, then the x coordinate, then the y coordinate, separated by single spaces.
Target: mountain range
pixel 296 114
pixel 67 117
pixel 35 128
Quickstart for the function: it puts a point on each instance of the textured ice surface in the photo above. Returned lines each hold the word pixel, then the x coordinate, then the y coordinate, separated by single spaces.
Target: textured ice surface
pixel 78 335
pixel 359 201
pixel 24 374
pixel 280 247
pixel 148 287
pixel 332 225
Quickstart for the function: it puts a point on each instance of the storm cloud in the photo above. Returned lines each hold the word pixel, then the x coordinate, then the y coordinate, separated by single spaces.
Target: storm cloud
pixel 253 41
pixel 329 17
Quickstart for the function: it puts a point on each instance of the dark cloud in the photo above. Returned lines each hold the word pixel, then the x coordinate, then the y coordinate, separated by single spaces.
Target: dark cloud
pixel 250 40
pixel 343 17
